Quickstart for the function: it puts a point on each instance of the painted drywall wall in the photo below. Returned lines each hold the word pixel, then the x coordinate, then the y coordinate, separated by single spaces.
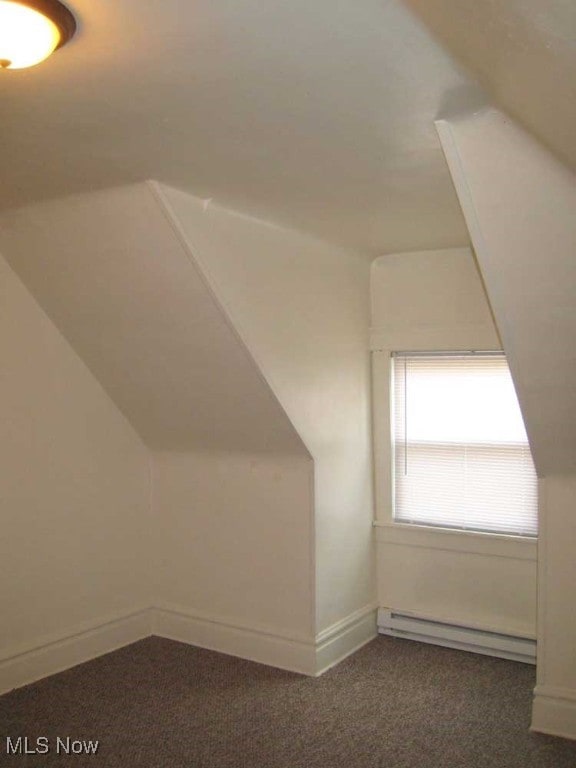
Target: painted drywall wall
pixel 74 485
pixel 559 667
pixel 234 536
pixel 435 300
pixel 519 205
pixel 109 270
pixel 302 308
pixel 555 693
pixel 112 272
pixel 232 467
pixel 430 292
pixel 491 588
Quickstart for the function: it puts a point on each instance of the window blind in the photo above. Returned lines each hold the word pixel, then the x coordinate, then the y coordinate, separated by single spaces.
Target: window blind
pixel 461 454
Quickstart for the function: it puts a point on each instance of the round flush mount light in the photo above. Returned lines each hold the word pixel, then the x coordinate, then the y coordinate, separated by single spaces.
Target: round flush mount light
pixel 30 30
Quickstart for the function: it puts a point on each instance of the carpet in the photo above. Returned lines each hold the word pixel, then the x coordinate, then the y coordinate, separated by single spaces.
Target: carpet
pixel 393 704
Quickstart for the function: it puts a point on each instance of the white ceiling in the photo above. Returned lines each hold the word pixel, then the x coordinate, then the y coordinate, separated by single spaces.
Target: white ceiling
pixel 524 54
pixel 317 115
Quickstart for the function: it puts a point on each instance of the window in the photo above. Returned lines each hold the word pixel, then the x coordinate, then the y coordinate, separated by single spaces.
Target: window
pixel 461 455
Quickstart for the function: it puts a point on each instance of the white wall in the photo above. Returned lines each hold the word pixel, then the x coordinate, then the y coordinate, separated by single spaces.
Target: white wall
pixel 519 204
pixel 302 309
pixel 233 476
pixel 74 486
pixel 257 549
pixel 234 540
pixel 555 693
pixel 435 300
pixel 112 275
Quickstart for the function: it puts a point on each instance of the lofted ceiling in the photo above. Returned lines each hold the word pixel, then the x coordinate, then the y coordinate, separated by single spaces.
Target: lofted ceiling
pixel 313 115
pixel 523 52
pixel 316 115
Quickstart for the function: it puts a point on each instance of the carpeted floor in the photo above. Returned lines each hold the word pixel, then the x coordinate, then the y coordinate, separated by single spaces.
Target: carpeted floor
pixel 394 704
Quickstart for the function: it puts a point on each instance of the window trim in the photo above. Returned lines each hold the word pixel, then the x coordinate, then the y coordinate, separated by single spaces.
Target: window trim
pixel 452 540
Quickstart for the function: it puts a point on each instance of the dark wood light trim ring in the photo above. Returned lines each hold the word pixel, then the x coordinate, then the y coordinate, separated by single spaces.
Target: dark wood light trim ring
pixel 57 13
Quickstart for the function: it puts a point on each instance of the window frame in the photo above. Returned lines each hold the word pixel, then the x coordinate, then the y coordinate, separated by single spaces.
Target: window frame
pixel 504 544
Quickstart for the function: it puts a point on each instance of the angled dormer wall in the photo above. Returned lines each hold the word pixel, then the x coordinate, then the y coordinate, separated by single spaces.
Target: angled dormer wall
pixel 231 557
pixel 520 207
pixel 74 488
pixel 110 272
pixel 302 307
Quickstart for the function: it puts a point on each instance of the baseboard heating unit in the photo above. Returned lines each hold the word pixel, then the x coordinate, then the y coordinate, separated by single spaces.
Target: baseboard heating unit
pixel 411 626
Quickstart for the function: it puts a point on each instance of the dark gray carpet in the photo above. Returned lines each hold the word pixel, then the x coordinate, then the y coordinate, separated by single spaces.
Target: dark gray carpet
pixel 394 704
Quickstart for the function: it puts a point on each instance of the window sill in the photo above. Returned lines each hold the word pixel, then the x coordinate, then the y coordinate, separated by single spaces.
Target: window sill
pixel 496 545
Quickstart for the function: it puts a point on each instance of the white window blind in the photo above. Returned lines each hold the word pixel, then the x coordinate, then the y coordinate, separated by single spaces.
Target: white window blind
pixel 461 454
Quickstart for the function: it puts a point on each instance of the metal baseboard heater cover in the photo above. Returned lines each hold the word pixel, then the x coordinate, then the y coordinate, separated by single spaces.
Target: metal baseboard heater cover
pixel 411 626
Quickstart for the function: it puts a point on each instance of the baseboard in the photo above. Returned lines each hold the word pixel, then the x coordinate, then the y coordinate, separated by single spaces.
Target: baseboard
pixel 312 657
pixel 262 646
pixel 21 666
pixel 554 711
pixel 345 638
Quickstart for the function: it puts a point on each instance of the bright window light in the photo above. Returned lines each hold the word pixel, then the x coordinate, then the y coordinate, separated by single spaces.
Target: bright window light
pixel 461 454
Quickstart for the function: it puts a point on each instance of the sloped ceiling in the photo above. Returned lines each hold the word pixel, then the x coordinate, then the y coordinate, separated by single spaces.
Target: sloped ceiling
pixel 317 115
pixel 520 205
pixel 110 271
pixel 524 54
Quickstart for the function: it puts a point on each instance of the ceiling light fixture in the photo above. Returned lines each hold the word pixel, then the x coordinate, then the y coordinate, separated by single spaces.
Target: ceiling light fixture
pixel 30 30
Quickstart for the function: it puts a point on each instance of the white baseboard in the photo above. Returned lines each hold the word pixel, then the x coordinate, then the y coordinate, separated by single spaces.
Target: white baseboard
pixel 265 647
pixel 21 666
pixel 308 657
pixel 345 638
pixel 53 654
pixel 554 711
